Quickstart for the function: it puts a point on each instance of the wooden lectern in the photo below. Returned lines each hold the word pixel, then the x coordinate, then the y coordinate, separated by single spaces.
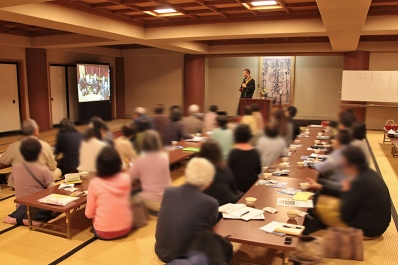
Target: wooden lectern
pixel 264 104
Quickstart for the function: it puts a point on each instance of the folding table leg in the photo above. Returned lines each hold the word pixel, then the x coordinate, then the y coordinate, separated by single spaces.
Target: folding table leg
pixel 67 224
pixel 29 217
pixel 285 257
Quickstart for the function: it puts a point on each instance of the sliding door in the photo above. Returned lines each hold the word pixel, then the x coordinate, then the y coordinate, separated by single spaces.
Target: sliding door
pixel 9 98
pixel 58 93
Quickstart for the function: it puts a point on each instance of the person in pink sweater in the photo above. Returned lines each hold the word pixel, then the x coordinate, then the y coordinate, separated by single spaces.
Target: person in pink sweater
pixel 108 197
pixel 151 169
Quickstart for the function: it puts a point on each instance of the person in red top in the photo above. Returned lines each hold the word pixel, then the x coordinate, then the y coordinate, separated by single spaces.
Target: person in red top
pixel 108 197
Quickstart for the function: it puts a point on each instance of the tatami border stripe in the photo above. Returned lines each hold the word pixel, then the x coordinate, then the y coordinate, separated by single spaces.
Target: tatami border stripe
pixel 5 198
pixel 73 251
pixel 393 210
pixel 8 229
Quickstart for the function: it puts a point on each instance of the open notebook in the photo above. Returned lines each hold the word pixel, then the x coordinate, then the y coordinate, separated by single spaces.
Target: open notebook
pixel 240 211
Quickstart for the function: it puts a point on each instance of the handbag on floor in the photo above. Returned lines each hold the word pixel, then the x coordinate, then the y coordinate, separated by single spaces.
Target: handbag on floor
pixel 309 250
pixel 344 243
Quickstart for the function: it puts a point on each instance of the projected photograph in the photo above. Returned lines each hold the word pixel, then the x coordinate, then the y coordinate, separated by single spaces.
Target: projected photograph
pixel 93 82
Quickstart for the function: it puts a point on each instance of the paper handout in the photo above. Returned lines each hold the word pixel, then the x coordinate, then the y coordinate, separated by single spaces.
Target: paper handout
pixel 289 229
pixel 58 199
pixel 293 203
pixel 302 196
pixel 240 211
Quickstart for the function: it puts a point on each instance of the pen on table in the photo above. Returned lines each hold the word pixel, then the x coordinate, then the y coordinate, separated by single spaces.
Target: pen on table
pixel 244 213
pixel 297 227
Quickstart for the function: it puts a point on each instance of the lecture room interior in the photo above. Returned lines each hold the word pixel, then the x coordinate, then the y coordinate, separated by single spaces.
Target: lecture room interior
pixel 178 52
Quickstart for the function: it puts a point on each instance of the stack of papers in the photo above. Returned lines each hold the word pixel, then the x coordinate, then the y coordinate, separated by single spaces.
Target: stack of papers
pixel 72 178
pixel 289 192
pixel 240 211
pixel 289 229
pixel 58 199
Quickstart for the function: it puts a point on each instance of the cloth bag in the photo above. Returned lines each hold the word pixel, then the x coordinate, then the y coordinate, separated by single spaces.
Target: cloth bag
pixel 344 243
pixel 140 212
pixel 309 250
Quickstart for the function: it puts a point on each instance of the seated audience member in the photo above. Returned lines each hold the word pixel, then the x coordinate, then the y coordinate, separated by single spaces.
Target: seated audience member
pixel 30 176
pixel 285 127
pixel 152 170
pixel 210 119
pixel 140 114
pixel 223 188
pixel 192 123
pixel 89 150
pixel 346 119
pixel 101 130
pixel 258 117
pixel 68 144
pixel 249 120
pixel 271 146
pixel 108 197
pixel 244 160
pixel 333 164
pixel 13 155
pixel 185 211
pixel 159 119
pixel 290 114
pixel 365 201
pixel 358 130
pixel 175 108
pixel 142 126
pixel 223 136
pixel 174 130
pixel 124 146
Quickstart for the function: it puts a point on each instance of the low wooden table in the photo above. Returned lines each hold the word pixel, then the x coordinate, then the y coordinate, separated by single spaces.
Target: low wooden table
pixel 178 155
pixel 69 210
pixel 249 232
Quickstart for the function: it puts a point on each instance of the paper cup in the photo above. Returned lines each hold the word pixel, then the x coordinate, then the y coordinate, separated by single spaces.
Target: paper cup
pixel 250 201
pixel 304 185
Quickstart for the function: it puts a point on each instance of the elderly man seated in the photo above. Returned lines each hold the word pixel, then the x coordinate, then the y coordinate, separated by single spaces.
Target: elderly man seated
pixel 13 156
pixel 185 211
pixel 192 123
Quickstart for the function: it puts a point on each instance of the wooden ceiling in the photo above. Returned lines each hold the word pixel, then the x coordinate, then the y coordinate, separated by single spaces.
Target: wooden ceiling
pixel 209 11
pixel 20 29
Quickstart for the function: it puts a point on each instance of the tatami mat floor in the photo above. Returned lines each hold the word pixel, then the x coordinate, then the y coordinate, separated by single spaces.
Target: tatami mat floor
pixel 21 246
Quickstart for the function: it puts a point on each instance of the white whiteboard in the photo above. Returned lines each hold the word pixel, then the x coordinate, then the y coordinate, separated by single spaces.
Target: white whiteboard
pixel 373 86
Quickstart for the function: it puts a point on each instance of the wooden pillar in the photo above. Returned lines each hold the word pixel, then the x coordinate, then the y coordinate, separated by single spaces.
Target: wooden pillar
pixel 38 87
pixel 194 81
pixel 120 88
pixel 358 60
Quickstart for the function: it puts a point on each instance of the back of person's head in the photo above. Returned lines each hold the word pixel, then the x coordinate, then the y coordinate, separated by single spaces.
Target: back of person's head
pixel 175 115
pixel 140 111
pixel 211 150
pixel 90 133
pixel 159 109
pixel 358 130
pixel 151 141
pixel 175 107
pixel 199 173
pixel 292 110
pixel 30 149
pixel 247 110
pixel 347 118
pixel 222 121
pixel 271 130
pixel 355 157
pixel 213 108
pixel 242 133
pixel 29 127
pixel 279 115
pixel 108 162
pixel 344 137
pixel 66 125
pixel 129 130
pixel 255 108
pixel 143 125
pixel 193 109
pixel 99 125
pixel 280 118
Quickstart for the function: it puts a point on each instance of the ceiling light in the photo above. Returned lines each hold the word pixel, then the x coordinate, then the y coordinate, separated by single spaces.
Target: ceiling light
pixel 264 3
pixel 165 11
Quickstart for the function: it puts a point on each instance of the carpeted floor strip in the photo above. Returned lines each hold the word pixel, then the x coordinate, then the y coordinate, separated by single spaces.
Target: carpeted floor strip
pixel 73 251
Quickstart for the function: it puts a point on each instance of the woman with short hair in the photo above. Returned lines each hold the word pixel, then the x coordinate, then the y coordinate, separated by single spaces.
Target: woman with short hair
pixel 151 169
pixel 108 197
pixel 89 150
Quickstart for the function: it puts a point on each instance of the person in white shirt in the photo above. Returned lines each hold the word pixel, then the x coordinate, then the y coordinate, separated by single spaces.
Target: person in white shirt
pixel 123 144
pixel 358 131
pixel 89 150
pixel 271 146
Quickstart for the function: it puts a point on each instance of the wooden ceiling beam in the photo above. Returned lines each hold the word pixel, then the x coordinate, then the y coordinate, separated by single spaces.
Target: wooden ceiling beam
pixel 103 4
pixel 283 5
pixel 254 12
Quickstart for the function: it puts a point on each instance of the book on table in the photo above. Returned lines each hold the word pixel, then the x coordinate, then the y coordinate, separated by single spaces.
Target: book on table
pixel 58 199
pixel 240 211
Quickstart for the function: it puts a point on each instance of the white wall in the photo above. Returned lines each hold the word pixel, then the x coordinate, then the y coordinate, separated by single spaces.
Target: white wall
pixel 225 75
pixel 150 80
pixel 376 116
pixel 317 86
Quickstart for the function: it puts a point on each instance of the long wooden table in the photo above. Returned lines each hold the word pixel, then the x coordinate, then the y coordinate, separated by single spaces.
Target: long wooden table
pixel 249 232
